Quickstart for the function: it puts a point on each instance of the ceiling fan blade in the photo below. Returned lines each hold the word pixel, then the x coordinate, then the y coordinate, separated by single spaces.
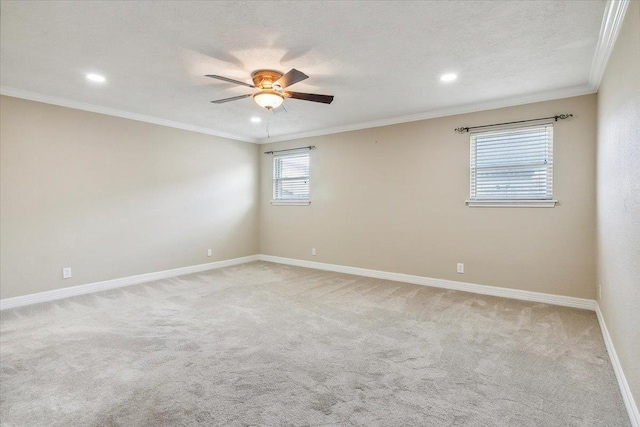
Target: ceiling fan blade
pixel 227 79
pixel 292 77
pixel 314 97
pixel 233 98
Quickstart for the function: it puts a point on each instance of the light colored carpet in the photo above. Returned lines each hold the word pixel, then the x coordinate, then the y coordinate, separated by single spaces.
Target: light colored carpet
pixel 267 344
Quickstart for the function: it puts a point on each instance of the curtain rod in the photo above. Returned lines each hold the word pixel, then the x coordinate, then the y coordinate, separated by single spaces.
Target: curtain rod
pixel 309 147
pixel 556 118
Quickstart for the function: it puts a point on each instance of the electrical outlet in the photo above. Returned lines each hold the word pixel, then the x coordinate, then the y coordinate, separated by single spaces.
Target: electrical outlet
pixel 66 272
pixel 313 251
pixel 599 292
pixel 209 252
pixel 460 268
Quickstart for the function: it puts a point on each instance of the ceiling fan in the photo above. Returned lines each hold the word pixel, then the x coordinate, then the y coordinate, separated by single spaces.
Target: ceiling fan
pixel 272 85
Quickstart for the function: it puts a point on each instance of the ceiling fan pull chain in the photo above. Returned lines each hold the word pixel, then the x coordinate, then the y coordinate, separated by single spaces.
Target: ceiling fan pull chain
pixel 268 121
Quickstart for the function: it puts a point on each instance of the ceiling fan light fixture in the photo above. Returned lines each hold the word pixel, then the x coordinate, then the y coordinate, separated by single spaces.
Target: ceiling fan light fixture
pixel 268 99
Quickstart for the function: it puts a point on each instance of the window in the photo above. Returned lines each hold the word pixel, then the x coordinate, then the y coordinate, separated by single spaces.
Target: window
pixel 291 178
pixel 512 167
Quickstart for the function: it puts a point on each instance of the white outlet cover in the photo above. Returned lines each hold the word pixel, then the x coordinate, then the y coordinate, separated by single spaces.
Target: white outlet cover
pixel 460 267
pixel 66 272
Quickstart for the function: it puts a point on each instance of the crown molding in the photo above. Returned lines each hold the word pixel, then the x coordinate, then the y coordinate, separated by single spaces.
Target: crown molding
pixel 47 99
pixel 443 112
pixel 611 24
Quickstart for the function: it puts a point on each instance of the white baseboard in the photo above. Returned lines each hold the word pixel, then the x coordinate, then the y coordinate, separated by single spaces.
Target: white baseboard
pixel 629 402
pixel 118 283
pixel 587 304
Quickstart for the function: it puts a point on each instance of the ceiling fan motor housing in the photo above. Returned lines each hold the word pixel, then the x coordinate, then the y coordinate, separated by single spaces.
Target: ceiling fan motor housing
pixel 264 79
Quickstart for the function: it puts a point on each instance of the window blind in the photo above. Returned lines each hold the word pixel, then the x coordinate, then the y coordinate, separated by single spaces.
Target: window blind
pixel 291 176
pixel 512 164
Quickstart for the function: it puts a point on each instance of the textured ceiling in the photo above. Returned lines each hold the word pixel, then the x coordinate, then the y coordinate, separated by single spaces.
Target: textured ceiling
pixel 380 59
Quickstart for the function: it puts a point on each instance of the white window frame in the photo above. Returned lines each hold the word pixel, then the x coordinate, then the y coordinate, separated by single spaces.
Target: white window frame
pixel 283 201
pixel 476 200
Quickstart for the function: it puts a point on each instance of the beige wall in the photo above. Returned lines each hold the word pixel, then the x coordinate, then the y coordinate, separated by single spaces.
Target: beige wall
pixel 111 197
pixel 618 188
pixel 393 199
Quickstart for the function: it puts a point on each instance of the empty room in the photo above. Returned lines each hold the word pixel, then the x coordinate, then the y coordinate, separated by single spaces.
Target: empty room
pixel 320 213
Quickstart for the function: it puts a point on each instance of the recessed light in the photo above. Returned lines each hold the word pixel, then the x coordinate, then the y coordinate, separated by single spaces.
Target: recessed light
pixel 96 78
pixel 449 77
pixel 256 119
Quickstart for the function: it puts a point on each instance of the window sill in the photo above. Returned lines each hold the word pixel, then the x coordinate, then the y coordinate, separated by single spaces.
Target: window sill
pixel 291 202
pixel 512 203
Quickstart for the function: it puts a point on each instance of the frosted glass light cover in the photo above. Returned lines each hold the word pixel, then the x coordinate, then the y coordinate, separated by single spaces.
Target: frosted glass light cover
pixel 268 99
